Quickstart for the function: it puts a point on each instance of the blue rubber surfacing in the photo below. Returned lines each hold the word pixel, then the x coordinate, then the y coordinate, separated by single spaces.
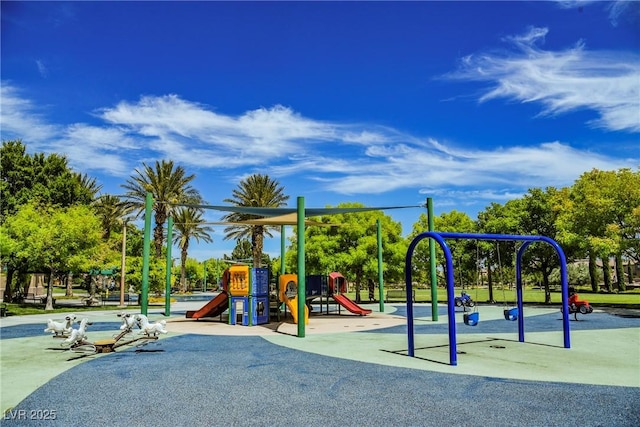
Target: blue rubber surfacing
pixel 232 380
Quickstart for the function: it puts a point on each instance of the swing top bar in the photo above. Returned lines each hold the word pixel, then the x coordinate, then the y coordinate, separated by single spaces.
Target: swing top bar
pixel 508 237
pixel 440 239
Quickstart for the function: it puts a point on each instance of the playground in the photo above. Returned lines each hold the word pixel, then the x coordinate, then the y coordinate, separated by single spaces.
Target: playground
pixel 228 362
pixel 348 370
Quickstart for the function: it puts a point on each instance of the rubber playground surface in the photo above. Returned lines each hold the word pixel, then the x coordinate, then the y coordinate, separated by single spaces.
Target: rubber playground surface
pixel 347 371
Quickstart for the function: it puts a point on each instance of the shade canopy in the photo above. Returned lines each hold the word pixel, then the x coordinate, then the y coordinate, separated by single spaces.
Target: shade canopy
pixel 282 212
pixel 287 219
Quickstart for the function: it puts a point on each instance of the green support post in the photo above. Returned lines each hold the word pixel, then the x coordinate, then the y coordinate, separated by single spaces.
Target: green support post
pixel 380 272
pixel 146 251
pixel 218 273
pixel 167 288
pixel 204 276
pixel 432 263
pixel 302 300
pixel 282 250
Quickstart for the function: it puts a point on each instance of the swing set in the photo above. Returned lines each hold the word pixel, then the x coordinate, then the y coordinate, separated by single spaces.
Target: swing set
pixel 472 319
pixel 510 313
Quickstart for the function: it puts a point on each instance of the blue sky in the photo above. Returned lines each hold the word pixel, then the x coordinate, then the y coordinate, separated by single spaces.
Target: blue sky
pixel 383 103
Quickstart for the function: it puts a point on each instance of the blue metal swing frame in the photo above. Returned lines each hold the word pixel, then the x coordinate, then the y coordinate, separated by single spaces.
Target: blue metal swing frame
pixel 440 239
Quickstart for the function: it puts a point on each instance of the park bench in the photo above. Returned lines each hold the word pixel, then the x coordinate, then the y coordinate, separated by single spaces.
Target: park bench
pixel 111 297
pixel 37 299
pixel 114 297
pixel 399 295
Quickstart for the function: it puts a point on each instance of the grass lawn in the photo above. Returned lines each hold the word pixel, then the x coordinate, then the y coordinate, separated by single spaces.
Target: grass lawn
pixel 26 309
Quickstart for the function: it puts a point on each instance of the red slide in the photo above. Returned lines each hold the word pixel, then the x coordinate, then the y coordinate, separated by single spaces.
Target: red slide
pixel 350 305
pixel 213 308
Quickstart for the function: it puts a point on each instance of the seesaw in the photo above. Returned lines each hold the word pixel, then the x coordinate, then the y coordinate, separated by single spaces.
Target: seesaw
pixel 77 340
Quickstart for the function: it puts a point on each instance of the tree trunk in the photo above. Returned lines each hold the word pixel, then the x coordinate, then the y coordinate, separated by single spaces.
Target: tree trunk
pixel 593 272
pixel 257 237
pixel 8 294
pixel 92 286
pixel 69 288
pixel 183 270
pixel 358 280
pixel 620 273
pixel 490 284
pixel 547 291
pixel 49 305
pixel 606 272
pixel 158 232
pixel 23 281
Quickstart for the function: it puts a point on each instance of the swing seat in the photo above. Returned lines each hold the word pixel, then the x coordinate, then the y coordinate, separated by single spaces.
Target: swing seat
pixel 511 314
pixel 471 319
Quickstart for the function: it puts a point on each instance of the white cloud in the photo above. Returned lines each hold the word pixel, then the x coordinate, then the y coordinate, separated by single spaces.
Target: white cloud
pixel 606 82
pixel 188 130
pixel 96 148
pixel 21 119
pixel 341 158
pixel 416 166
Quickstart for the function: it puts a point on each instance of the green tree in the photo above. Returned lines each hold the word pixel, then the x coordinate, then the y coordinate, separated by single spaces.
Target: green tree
pixel 157 275
pixel 168 184
pixel 37 178
pixel 89 184
pixel 189 225
pixel 464 259
pixel 540 211
pixel 47 179
pixel 255 191
pixel 215 267
pixel 603 216
pixel 497 257
pixel 113 212
pixel 241 252
pixel 352 247
pixel 53 239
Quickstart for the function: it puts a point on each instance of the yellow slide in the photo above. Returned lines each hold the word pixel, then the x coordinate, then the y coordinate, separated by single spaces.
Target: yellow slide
pixel 289 288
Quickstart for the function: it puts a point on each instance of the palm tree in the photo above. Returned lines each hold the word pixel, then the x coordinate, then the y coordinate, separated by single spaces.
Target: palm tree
pixel 189 224
pixel 255 191
pixel 89 185
pixel 113 212
pixel 167 185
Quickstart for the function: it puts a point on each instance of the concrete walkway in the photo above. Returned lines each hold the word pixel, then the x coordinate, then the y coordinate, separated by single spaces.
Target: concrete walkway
pixel 348 370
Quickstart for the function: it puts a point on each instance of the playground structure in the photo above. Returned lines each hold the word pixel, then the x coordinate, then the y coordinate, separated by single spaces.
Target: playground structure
pixel 245 293
pixel 248 295
pixel 323 287
pixel 289 295
pixel 77 340
pixel 269 216
pixel 472 319
pixel 337 287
